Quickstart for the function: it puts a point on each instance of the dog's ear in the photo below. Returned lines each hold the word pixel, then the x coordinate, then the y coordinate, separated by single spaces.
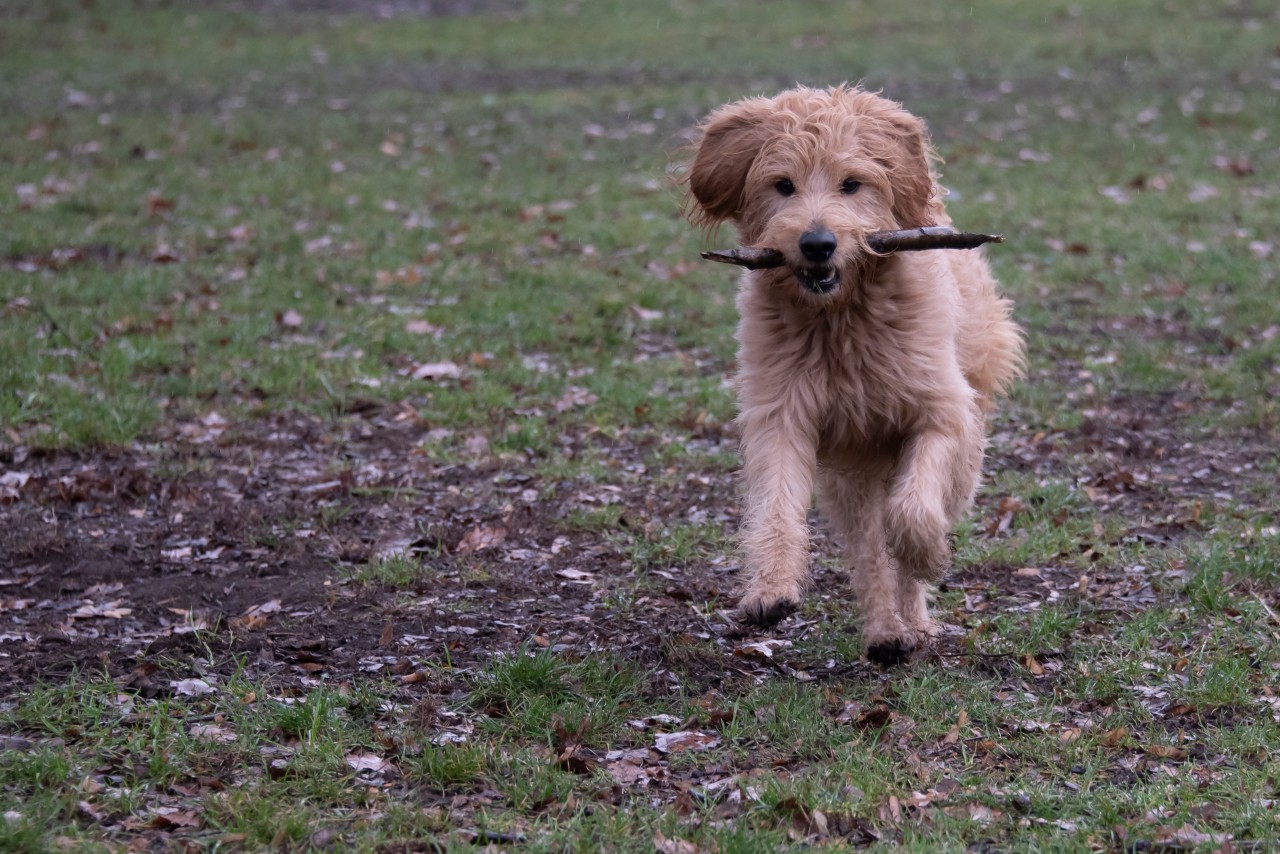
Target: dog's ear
pixel 910 173
pixel 732 137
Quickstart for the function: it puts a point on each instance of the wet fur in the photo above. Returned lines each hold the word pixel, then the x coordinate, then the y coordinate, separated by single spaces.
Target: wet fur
pixel 876 392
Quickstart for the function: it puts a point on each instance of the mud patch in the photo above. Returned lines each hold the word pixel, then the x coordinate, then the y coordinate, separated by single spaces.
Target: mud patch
pixel 260 546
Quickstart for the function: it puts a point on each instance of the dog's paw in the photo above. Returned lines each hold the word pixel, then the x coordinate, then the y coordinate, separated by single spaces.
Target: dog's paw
pixel 766 611
pixel 927 628
pixel 890 652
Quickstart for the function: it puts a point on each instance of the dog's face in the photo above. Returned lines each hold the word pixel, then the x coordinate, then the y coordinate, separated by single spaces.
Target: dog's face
pixel 811 173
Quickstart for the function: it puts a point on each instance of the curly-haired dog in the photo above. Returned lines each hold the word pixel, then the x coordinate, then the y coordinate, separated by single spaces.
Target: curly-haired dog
pixel 869 375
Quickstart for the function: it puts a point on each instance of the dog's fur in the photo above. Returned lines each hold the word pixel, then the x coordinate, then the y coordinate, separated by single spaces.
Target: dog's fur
pixel 868 376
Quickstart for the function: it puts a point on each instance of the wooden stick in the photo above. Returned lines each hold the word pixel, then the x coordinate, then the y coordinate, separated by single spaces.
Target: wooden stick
pixel 751 258
pixel 929 237
pixel 883 242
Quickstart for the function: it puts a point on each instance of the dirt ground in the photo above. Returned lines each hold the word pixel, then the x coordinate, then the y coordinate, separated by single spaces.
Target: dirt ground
pixel 218 548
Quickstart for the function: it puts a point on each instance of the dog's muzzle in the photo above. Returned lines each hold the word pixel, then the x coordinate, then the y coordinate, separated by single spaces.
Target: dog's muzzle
pixel 817 274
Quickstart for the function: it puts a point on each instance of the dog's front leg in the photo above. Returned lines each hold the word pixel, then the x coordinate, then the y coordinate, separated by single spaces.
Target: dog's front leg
pixel 779 461
pixel 936 479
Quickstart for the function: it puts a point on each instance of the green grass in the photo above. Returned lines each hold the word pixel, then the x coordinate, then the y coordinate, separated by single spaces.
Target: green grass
pixel 253 215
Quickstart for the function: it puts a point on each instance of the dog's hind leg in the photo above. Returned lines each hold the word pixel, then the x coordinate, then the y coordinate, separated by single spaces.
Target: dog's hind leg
pixel 778 470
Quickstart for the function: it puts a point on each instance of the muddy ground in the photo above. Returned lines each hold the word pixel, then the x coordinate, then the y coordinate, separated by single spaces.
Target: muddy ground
pixel 220 547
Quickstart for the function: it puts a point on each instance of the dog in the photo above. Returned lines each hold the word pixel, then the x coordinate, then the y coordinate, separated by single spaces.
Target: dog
pixel 867 376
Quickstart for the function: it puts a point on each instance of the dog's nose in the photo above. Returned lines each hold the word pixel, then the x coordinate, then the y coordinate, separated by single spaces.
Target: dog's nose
pixel 817 245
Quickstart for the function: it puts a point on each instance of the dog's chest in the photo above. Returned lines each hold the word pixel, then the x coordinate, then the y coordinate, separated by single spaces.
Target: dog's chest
pixel 867 378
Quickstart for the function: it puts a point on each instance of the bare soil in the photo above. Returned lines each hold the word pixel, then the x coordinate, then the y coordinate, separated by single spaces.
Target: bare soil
pixel 219 548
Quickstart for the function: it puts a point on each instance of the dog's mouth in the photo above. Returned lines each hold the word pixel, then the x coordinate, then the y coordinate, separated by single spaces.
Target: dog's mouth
pixel 818 280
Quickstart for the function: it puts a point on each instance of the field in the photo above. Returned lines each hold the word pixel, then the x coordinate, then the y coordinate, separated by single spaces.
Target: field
pixel 367 476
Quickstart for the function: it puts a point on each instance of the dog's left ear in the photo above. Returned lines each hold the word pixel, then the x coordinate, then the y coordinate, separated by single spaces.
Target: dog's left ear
pixel 910 174
pixel 732 137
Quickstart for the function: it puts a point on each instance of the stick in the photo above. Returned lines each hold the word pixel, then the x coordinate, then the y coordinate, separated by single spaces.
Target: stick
pixel 929 237
pixel 883 242
pixel 752 259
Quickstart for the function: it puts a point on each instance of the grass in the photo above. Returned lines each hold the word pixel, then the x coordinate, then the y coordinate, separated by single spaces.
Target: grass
pixel 224 216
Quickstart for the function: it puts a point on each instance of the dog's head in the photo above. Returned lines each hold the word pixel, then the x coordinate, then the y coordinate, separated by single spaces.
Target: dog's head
pixel 810 173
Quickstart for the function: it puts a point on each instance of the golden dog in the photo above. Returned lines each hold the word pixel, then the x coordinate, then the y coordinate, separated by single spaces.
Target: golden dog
pixel 869 376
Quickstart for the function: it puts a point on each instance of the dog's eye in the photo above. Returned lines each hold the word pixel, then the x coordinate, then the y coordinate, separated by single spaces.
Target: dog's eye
pixel 785 187
pixel 850 186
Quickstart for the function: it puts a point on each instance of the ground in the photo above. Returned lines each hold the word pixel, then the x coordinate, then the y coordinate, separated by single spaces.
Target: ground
pixel 367 476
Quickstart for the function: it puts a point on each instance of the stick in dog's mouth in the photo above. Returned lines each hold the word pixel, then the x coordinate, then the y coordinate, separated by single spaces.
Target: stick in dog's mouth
pixel 882 242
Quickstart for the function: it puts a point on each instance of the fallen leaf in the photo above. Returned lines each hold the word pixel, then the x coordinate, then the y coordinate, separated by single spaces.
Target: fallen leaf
pixel 11 483
pixel 655 720
pixel 174 817
pixel 1238 167
pixel 436 371
pixel 1113 738
pixel 673 846
pixel 874 718
pixel 761 649
pixel 678 742
pixel 628 773
pixel 269 607
pixel 422 327
pixel 1164 751
pixel 193 687
pixel 289 318
pixel 367 762
pixel 480 538
pixel 953 734
pixel 110 610
pixel 157 205
pixel 212 732
pixel 576 760
pixel 646 314
pixel 164 254
pixel 1187 836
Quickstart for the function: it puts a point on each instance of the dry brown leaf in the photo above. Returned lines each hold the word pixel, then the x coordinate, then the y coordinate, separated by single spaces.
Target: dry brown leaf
pixel 1115 737
pixel 271 606
pixel 673 846
pixel 874 718
pixel 212 732
pixel 480 538
pixel 165 254
pixel 174 817
pixel 575 759
pixel 1164 751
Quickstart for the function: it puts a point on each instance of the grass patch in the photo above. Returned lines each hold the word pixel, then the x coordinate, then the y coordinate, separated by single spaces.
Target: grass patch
pixel 281 286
